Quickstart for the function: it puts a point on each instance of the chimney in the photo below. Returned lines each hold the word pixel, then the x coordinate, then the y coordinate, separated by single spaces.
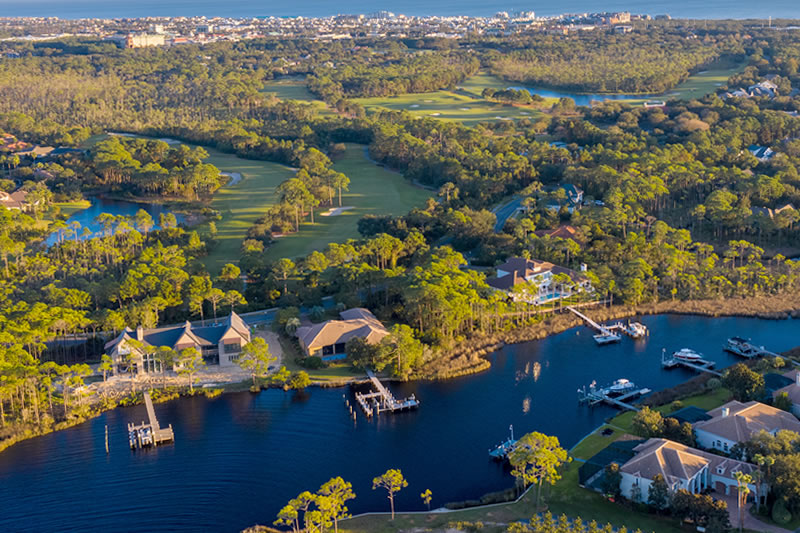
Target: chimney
pixel 139 333
pixel 726 411
pixel 797 378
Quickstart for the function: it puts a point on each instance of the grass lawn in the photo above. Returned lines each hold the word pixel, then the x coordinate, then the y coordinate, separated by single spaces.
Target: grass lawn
pixel 241 204
pixel 373 190
pixel 595 442
pixel 707 401
pixel 289 88
pixel 700 84
pixel 464 104
pixel 335 372
pixel 70 208
pixel 566 497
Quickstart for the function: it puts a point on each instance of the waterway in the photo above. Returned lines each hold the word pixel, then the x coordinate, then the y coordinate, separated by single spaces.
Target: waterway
pixel 87 217
pixel 239 458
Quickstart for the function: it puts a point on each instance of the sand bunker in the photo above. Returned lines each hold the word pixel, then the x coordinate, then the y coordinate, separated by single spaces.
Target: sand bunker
pixel 336 211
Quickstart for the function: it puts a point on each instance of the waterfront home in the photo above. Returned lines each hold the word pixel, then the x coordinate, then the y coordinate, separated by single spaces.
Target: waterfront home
pixel 736 422
pixel 792 390
pixel 220 344
pixel 683 467
pixel 762 153
pixel 16 200
pixel 771 213
pixel 518 270
pixel 327 340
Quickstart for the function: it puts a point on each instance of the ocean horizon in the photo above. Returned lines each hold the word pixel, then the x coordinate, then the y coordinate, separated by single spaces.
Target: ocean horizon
pixel 77 9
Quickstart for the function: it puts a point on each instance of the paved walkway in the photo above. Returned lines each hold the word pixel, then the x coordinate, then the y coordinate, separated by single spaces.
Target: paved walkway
pixel 750 521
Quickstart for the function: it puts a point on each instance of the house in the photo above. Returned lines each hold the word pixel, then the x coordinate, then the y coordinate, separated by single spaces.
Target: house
pixel 762 153
pixel 35 151
pixel 16 200
pixel 792 390
pixel 683 467
pixel 564 231
pixel 763 88
pixel 518 270
pixel 574 194
pixel 769 212
pixel 220 344
pixel 736 422
pixel 328 339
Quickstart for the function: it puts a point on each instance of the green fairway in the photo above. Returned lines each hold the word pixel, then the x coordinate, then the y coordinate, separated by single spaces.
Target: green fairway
pixel 698 85
pixel 289 88
pixel 464 104
pixel 373 190
pixel 241 204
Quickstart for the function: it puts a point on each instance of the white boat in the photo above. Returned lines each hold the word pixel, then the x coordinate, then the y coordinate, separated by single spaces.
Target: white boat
pixel 637 330
pixel 687 354
pixel 606 338
pixel 620 386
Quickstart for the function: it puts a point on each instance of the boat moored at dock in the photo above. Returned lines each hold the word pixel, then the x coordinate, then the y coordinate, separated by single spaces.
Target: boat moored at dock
pixel 743 348
pixel 606 337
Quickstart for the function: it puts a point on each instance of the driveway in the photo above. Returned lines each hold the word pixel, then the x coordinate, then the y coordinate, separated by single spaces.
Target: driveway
pixel 750 522
pixel 504 212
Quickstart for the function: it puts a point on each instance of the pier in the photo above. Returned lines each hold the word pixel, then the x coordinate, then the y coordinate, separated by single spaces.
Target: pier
pixel 612 333
pixel 381 399
pixel 743 348
pixel 149 434
pixel 501 451
pixel 591 323
pixel 701 365
pixel 593 396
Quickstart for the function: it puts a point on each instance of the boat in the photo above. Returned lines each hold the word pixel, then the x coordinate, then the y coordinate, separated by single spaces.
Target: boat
pixel 688 355
pixel 741 346
pixel 621 386
pixel 637 330
pixel 501 451
pixel 606 338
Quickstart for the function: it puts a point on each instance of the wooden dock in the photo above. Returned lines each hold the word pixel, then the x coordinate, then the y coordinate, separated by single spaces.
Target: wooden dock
pixel 593 396
pixel 634 330
pixel 591 323
pixel 669 361
pixel 381 399
pixel 149 434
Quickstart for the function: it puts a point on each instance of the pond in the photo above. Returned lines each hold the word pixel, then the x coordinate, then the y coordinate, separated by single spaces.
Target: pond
pixel 237 459
pixel 99 205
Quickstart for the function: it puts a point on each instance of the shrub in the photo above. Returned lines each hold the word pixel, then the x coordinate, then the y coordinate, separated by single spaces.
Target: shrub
pixel 312 362
pixel 714 384
pixel 317 313
pixel 781 514
pixel 677 405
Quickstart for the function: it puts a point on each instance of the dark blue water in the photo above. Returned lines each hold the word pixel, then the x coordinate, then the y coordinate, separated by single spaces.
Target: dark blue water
pixel 320 8
pixel 86 218
pixel 238 458
pixel 585 99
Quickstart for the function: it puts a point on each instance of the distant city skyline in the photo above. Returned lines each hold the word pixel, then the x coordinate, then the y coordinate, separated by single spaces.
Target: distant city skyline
pixel 322 8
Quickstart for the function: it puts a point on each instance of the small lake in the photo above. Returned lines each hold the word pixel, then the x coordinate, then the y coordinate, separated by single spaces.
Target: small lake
pixel 237 459
pixel 582 99
pixel 86 218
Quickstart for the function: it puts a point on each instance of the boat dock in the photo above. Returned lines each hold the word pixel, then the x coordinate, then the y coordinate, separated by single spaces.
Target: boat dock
pixel 593 396
pixel 149 434
pixel 701 365
pixel 743 348
pixel 381 399
pixel 501 451
pixel 608 334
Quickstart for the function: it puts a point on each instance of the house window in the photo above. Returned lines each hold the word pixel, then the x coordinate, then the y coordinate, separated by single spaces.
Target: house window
pixel 327 350
pixel 726 446
pixel 339 348
pixel 636 481
pixel 233 358
pixel 718 444
pixel 232 348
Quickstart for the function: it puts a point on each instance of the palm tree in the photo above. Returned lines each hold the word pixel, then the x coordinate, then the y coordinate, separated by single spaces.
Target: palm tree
pixel 743 481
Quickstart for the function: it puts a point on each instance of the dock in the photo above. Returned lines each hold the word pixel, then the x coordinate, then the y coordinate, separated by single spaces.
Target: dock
pixel 381 399
pixel 591 323
pixel 743 348
pixel 593 396
pixel 702 365
pixel 149 434
pixel 501 451
pixel 635 330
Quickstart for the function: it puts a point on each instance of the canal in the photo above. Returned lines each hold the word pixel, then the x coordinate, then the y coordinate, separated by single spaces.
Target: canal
pixel 239 458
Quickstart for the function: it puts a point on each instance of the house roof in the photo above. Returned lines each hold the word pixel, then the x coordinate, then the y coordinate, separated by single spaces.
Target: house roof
pixel 519 269
pixel 357 322
pixel 745 419
pixel 678 462
pixel 564 231
pixel 13 200
pixel 170 336
pixel 792 389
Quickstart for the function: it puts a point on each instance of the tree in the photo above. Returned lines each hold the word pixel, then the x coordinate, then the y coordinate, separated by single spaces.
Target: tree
pixel 658 495
pixel 338 491
pixel 742 481
pixel 189 362
pixel 744 384
pixel 300 380
pixel 106 365
pixel 782 401
pixel 282 270
pixel 536 458
pixel 166 358
pixel 612 479
pixel 426 498
pixel 648 423
pixel 393 481
pixel 215 296
pixel 256 358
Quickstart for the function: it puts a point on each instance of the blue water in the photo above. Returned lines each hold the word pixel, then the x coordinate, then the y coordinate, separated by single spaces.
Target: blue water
pixel 86 218
pixel 239 458
pixel 710 9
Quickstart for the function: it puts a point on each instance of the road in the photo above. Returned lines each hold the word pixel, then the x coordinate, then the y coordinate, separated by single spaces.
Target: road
pixel 503 213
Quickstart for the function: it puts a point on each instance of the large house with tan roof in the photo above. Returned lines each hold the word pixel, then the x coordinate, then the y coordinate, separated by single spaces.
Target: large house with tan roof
pixel 792 391
pixel 737 422
pixel 328 339
pixel 220 344
pixel 682 468
pixel 16 200
pixel 518 270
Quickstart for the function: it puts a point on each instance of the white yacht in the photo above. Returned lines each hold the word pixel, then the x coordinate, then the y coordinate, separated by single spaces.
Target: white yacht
pixel 688 355
pixel 606 338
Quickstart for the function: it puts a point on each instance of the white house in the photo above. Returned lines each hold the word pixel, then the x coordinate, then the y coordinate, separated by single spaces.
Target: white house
pixel 682 468
pixel 736 422
pixel 518 270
